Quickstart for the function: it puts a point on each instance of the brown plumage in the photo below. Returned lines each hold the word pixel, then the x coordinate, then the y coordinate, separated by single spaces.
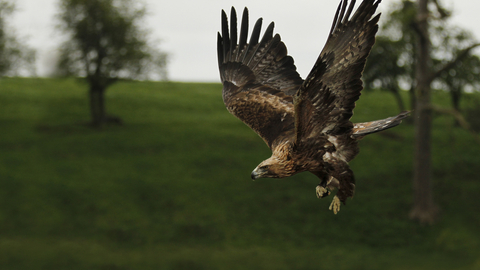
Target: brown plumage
pixel 306 123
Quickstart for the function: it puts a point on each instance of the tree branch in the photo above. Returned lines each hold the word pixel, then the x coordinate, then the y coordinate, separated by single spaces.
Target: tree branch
pixel 459 117
pixel 453 62
pixel 442 11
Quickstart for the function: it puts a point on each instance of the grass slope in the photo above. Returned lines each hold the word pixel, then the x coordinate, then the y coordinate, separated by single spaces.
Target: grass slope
pixel 171 189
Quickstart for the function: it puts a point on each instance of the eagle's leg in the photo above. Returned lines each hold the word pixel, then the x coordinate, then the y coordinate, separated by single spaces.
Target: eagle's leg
pixel 344 180
pixel 321 188
pixel 332 184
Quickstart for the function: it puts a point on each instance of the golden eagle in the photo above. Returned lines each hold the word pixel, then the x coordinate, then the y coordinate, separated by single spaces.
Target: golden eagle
pixel 306 123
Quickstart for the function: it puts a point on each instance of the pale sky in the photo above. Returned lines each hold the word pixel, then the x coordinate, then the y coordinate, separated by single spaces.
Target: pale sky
pixel 187 29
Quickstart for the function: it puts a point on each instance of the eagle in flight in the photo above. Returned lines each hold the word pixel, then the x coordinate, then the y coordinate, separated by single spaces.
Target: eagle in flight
pixel 306 123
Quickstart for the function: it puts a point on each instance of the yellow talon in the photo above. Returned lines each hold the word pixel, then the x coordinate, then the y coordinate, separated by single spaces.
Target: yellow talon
pixel 322 192
pixel 335 205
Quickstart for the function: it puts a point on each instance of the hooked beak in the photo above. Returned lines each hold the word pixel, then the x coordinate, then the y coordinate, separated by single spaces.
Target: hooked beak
pixel 258 173
pixel 255 175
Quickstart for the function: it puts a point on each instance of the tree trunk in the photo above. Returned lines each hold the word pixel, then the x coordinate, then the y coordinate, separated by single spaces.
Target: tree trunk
pixel 424 209
pixel 97 105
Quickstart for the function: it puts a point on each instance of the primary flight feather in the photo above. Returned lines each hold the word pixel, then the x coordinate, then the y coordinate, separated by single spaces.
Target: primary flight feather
pixel 306 123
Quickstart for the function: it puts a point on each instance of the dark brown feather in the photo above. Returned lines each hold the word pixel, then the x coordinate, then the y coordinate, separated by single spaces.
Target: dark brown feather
pixel 337 73
pixel 259 78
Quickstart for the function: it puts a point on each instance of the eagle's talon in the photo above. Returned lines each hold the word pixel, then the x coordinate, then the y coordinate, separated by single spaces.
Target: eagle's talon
pixel 322 192
pixel 335 205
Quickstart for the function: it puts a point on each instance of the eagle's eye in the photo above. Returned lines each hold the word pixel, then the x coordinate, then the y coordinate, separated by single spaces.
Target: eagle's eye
pixel 264 167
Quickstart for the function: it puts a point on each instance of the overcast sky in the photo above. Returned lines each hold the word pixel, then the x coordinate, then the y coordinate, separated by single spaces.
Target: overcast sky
pixel 187 29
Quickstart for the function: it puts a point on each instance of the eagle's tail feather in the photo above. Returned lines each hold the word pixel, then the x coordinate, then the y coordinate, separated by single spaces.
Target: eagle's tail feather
pixel 362 129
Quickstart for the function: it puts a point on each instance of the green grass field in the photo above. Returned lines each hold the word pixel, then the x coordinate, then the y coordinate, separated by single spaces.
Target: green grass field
pixel 171 188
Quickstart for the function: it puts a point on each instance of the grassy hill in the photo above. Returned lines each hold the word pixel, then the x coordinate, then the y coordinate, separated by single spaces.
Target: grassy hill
pixel 171 188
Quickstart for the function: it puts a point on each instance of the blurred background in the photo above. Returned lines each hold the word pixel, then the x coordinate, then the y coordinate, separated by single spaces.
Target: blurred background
pixel 184 29
pixel 117 152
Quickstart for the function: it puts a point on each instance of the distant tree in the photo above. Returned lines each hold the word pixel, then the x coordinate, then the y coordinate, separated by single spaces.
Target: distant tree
pixel 386 74
pixel 392 61
pixel 461 75
pixel 424 209
pixel 15 57
pixel 418 47
pixel 106 43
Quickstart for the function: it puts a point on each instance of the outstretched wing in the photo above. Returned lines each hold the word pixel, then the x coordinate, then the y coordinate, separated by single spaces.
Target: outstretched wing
pixel 362 129
pixel 325 102
pixel 258 77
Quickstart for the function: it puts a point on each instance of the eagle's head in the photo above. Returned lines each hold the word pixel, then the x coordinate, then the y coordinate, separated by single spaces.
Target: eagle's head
pixel 273 168
pixel 266 169
pixel 279 165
